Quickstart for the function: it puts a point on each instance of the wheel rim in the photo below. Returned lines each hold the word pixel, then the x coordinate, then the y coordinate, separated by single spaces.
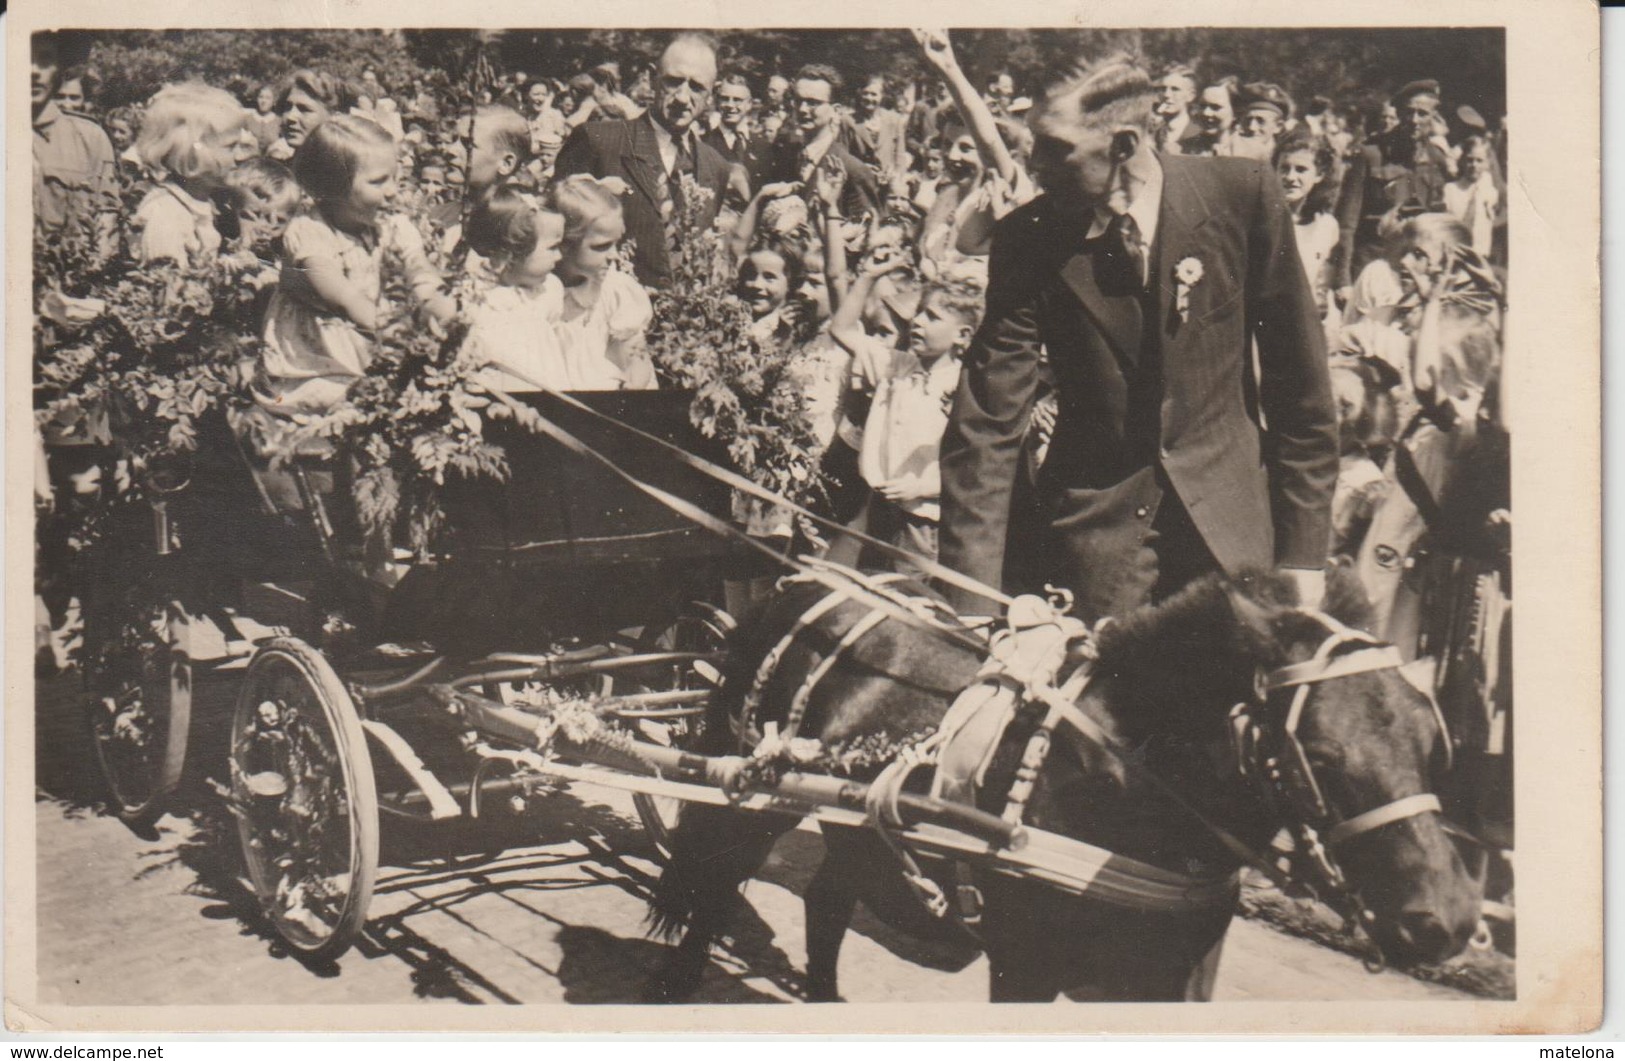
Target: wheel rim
pixel 131 720
pixel 298 802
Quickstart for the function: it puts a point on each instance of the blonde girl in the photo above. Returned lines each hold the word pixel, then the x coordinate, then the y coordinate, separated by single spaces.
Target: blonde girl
pixel 606 312
pixel 187 135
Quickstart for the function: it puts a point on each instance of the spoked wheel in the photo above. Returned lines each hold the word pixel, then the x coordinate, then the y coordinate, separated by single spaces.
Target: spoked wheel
pixel 700 628
pixel 140 717
pixel 303 793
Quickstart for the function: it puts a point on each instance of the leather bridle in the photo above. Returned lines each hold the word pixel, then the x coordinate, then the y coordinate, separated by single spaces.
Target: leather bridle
pixel 1270 754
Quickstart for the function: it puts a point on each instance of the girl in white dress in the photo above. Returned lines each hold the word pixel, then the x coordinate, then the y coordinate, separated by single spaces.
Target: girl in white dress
pixel 605 311
pixel 327 303
pixel 514 322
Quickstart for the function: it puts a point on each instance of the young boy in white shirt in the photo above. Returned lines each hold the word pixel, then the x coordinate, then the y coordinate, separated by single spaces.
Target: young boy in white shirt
pixel 902 437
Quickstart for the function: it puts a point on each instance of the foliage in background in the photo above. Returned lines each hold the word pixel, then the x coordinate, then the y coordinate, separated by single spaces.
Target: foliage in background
pixel 1349 65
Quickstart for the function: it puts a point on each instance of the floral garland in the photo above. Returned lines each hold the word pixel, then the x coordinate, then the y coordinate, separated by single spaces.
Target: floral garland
pixel 746 390
pixel 134 354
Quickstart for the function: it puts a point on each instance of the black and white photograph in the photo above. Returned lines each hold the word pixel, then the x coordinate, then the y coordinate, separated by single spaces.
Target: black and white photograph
pixel 676 517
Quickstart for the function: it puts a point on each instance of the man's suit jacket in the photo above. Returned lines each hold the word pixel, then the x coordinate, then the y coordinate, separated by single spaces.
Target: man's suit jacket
pixel 754 153
pixel 1190 140
pixel 1255 497
pixel 629 150
pixel 862 192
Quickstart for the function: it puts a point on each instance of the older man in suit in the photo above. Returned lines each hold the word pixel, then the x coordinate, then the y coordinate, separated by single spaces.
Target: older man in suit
pixel 1150 280
pixel 653 153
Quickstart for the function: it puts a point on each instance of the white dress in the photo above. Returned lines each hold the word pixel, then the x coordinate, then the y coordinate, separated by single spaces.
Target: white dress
pixel 1317 238
pixel 312 353
pixel 174 225
pixel 601 342
pixel 517 328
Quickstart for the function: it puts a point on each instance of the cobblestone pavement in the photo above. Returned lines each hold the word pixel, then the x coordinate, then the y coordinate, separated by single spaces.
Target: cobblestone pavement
pixel 555 917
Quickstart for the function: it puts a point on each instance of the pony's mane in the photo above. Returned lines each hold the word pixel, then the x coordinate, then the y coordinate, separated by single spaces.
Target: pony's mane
pixel 1193 649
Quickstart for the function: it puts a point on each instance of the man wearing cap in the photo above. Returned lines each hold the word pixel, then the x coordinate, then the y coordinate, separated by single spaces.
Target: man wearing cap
pixel 1265 111
pixel 1149 280
pixel 1402 171
pixel 655 151
pixel 1176 91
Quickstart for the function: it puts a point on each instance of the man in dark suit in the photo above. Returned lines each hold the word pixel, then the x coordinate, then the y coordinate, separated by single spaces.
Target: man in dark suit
pixel 818 133
pixel 653 152
pixel 1176 92
pixel 1150 280
pixel 733 138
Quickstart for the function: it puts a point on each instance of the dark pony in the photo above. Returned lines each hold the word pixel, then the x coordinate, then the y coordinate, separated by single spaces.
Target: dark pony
pixel 1165 681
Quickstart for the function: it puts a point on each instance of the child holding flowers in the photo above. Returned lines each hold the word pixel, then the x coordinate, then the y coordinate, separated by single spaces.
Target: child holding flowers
pixel 327 304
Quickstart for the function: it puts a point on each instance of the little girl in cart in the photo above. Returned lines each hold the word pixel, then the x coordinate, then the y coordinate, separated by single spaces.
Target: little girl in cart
pixel 317 328
pixel 513 324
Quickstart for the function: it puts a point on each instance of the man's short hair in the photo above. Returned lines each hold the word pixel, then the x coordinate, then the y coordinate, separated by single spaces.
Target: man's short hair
pixel 1181 70
pixel 509 130
pixel 820 72
pixel 735 78
pixel 331 92
pixel 692 39
pixel 959 295
pixel 1112 93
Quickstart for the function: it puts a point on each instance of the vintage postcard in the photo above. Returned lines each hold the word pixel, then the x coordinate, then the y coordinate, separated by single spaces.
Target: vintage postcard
pixel 541 519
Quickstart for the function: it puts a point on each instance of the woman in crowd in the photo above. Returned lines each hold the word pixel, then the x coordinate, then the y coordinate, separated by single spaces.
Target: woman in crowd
pixel 1307 167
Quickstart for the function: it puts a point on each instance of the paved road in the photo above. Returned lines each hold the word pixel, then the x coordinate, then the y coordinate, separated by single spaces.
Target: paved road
pixel 557 917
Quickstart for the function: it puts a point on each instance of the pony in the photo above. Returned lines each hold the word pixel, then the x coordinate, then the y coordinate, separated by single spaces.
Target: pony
pixel 1165 682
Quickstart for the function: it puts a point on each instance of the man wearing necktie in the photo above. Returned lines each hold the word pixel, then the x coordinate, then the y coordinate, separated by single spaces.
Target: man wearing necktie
pixel 653 152
pixel 1148 279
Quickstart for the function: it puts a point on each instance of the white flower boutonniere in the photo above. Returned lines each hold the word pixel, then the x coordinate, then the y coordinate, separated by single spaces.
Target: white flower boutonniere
pixel 1187 274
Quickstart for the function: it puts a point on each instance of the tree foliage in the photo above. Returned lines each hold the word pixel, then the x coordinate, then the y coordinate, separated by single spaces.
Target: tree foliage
pixel 1349 65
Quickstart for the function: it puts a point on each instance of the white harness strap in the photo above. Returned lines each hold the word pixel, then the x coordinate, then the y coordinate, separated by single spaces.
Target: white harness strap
pixel 1324 666
pixel 1398 810
pixel 1378 657
pixel 770 663
pixel 798 705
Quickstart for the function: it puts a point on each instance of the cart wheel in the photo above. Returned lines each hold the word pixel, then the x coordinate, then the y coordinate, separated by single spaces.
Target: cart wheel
pixel 303 793
pixel 700 628
pixel 140 717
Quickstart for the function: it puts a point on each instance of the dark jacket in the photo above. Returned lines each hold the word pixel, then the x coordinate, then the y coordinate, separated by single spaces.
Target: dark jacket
pixel 1257 497
pixel 862 192
pixel 753 153
pixel 629 150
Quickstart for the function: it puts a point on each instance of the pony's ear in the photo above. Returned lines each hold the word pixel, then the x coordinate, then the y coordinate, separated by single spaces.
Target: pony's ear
pixel 1255 616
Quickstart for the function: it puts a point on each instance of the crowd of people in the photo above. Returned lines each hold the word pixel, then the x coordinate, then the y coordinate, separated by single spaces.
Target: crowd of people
pixel 860 217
